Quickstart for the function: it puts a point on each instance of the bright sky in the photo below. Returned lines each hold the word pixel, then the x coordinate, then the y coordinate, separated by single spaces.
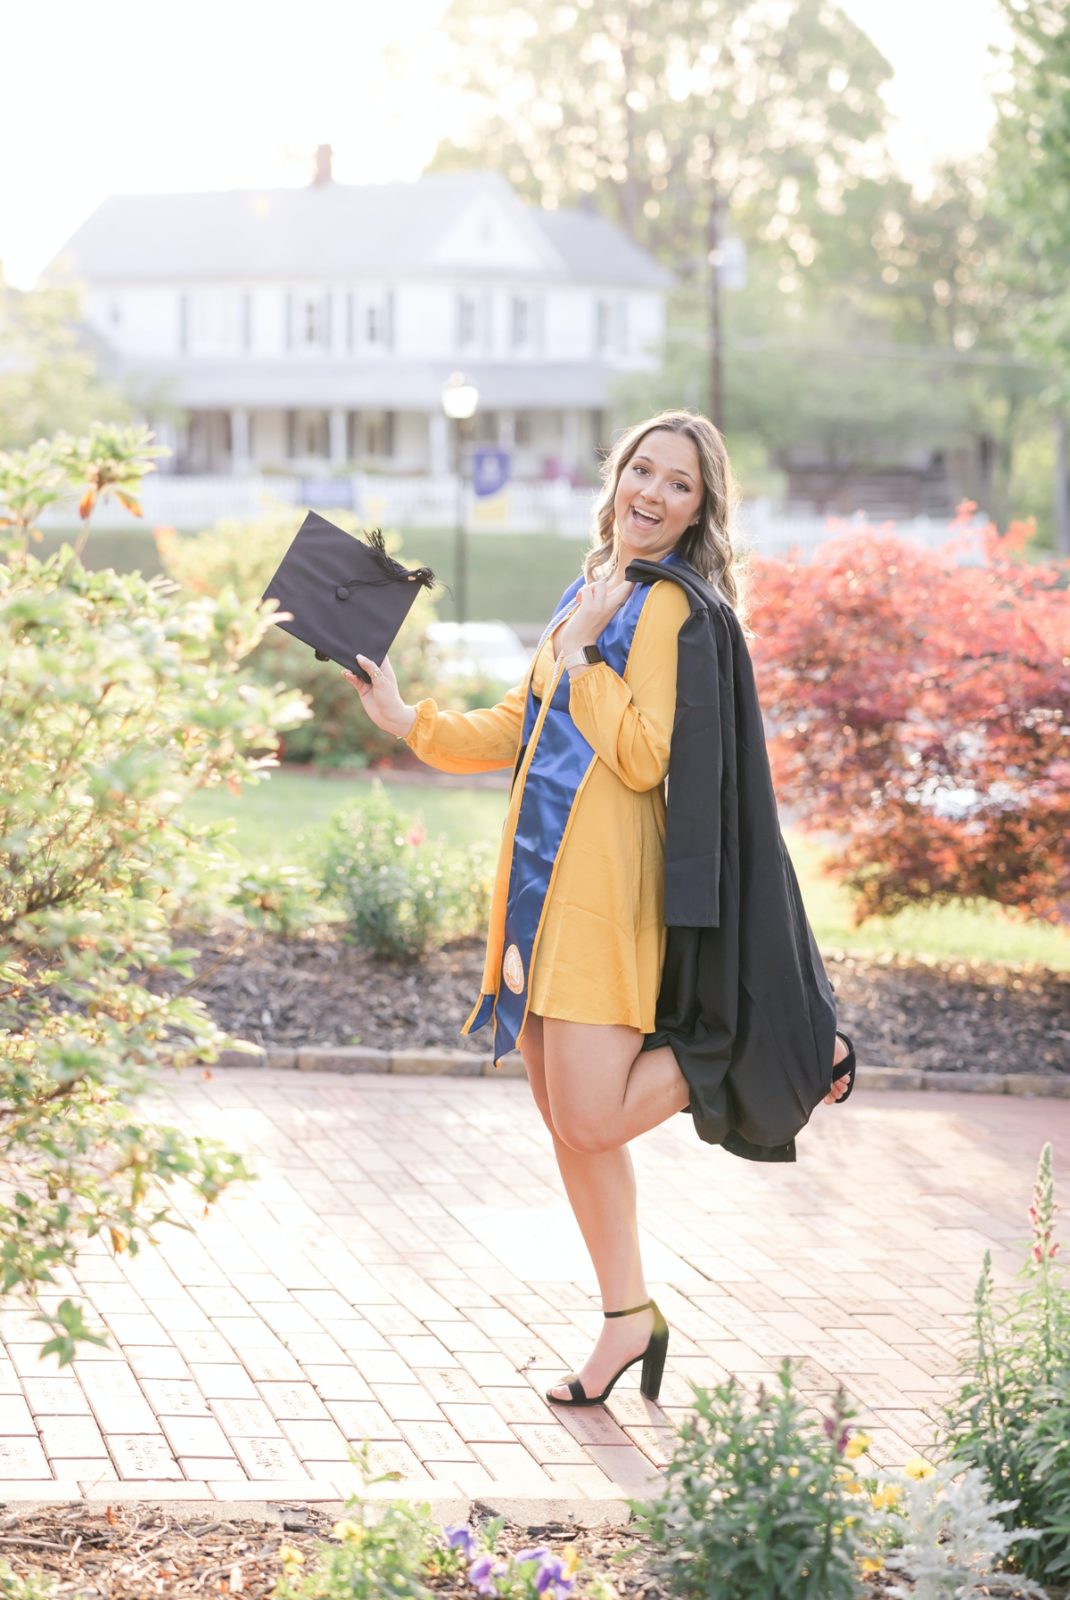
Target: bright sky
pixel 117 97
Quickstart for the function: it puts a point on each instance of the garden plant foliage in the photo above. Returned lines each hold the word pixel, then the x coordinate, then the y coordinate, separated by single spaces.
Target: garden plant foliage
pixel 402 895
pixel 755 1502
pixel 922 706
pixel 1010 1415
pixel 117 700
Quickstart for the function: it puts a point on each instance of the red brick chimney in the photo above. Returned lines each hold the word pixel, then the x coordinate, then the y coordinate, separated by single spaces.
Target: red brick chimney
pixel 322 170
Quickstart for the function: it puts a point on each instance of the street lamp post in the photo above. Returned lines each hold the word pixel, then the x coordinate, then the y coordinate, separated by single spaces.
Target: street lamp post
pixel 459 401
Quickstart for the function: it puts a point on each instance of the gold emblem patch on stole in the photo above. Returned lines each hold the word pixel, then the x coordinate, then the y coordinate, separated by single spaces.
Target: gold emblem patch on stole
pixel 513 970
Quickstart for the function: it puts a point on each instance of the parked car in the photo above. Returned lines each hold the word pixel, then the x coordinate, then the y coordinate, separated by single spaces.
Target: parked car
pixel 483 650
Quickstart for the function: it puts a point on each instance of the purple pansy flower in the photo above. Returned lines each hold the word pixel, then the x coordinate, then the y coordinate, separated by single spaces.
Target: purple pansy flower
pixel 463 1539
pixel 483 1571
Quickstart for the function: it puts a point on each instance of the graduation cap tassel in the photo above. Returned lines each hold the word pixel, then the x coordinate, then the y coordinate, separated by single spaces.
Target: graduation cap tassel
pixel 393 569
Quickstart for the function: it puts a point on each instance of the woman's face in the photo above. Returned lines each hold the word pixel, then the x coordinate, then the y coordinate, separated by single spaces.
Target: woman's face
pixel 659 493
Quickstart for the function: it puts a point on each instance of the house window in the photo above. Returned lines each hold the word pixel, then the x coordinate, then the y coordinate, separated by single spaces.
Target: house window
pixel 520 321
pixel 214 321
pixel 309 434
pixel 611 326
pixel 522 429
pixel 602 325
pixel 466 320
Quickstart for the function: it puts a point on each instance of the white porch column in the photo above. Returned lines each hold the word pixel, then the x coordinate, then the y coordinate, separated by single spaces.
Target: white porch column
pixel 239 442
pixel 438 443
pixel 336 424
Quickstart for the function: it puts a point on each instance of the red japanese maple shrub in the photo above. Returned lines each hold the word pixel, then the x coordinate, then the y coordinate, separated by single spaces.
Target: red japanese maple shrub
pixel 918 703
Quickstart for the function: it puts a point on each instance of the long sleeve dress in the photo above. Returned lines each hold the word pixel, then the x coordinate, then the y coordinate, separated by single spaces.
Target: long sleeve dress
pixel 600 945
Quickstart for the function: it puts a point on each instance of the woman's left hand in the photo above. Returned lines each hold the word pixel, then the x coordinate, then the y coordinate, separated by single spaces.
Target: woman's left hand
pixel 596 603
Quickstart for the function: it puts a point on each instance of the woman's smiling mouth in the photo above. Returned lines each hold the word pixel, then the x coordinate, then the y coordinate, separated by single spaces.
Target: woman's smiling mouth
pixel 645 519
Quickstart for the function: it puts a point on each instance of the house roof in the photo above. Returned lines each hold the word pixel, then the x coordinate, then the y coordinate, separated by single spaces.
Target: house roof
pixel 393 385
pixel 335 230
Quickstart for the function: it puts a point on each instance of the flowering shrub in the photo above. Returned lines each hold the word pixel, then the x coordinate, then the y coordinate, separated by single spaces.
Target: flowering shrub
pixel 401 894
pixel 394 1551
pixel 756 1501
pixel 920 705
pixel 119 702
pixel 1010 1416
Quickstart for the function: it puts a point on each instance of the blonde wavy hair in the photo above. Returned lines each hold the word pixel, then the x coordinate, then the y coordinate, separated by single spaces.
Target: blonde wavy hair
pixel 708 545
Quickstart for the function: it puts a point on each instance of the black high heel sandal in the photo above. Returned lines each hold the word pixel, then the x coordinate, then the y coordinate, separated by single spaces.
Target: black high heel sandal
pixel 845 1068
pixel 653 1359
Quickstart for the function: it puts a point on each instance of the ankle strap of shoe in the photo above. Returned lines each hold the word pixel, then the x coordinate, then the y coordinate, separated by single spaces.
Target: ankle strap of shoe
pixel 630 1309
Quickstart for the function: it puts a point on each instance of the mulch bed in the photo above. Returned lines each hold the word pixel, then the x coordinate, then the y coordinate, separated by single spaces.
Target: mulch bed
pixel 132 1552
pixel 320 989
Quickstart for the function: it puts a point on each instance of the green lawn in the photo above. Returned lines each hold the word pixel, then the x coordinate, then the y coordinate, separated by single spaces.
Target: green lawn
pixel 280 820
pixel 511 577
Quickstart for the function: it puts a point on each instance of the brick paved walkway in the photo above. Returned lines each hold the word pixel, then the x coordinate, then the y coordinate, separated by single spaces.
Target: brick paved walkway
pixel 407 1269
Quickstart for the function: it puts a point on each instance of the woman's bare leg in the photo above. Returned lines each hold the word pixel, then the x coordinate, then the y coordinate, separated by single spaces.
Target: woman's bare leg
pixel 601 1191
pixel 604 1091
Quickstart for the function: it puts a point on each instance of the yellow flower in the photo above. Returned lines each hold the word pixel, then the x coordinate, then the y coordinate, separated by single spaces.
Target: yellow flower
pixel 570 1560
pixel 793 1472
pixel 918 1467
pixel 852 1486
pixel 290 1557
pixel 888 1496
pixel 857 1446
pixel 348 1531
pixel 871 1564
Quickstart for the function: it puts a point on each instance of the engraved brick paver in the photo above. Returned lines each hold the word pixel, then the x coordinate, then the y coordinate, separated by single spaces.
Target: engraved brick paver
pixel 407 1272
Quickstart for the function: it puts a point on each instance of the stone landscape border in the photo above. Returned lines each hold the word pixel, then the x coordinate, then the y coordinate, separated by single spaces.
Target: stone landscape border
pixel 438 1063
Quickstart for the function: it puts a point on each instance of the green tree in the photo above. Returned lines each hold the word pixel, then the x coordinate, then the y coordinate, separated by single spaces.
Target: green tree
pixel 1032 192
pixel 650 108
pixel 48 369
pixel 1031 198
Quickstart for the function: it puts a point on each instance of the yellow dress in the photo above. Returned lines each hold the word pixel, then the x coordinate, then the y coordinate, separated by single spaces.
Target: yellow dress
pixel 600 947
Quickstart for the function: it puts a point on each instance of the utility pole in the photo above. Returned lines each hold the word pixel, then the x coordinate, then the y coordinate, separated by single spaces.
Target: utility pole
pixel 715 399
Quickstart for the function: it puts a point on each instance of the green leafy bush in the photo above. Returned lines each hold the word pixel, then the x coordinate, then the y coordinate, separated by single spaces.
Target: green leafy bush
pixel 118 701
pixel 1010 1415
pixel 243 555
pixel 756 1505
pixel 401 894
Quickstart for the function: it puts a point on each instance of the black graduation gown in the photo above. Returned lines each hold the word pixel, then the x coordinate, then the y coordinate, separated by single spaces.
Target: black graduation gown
pixel 745 1002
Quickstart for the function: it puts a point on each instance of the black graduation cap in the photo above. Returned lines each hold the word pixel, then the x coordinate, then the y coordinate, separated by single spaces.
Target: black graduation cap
pixel 345 595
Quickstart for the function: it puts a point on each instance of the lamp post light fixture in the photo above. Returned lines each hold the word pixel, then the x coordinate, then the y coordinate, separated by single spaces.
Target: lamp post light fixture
pixel 459 401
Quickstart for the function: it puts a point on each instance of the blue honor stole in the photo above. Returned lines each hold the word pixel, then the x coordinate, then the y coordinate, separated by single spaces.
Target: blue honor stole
pixel 556 764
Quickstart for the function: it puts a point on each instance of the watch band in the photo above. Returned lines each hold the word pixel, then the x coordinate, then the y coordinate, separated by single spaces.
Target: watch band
pixel 586 655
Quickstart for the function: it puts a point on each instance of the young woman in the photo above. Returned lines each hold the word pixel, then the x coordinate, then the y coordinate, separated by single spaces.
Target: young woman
pixel 577 938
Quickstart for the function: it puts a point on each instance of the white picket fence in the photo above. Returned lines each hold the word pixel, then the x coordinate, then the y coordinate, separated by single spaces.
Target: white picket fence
pixel 553 508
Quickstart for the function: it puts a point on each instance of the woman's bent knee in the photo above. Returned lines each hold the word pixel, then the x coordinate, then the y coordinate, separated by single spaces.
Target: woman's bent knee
pixel 585 1136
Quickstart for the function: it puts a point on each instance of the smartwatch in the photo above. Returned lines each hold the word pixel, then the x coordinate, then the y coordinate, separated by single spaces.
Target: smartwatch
pixel 586 655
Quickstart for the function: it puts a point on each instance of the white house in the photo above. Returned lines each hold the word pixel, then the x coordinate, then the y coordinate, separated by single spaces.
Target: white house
pixel 310 330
